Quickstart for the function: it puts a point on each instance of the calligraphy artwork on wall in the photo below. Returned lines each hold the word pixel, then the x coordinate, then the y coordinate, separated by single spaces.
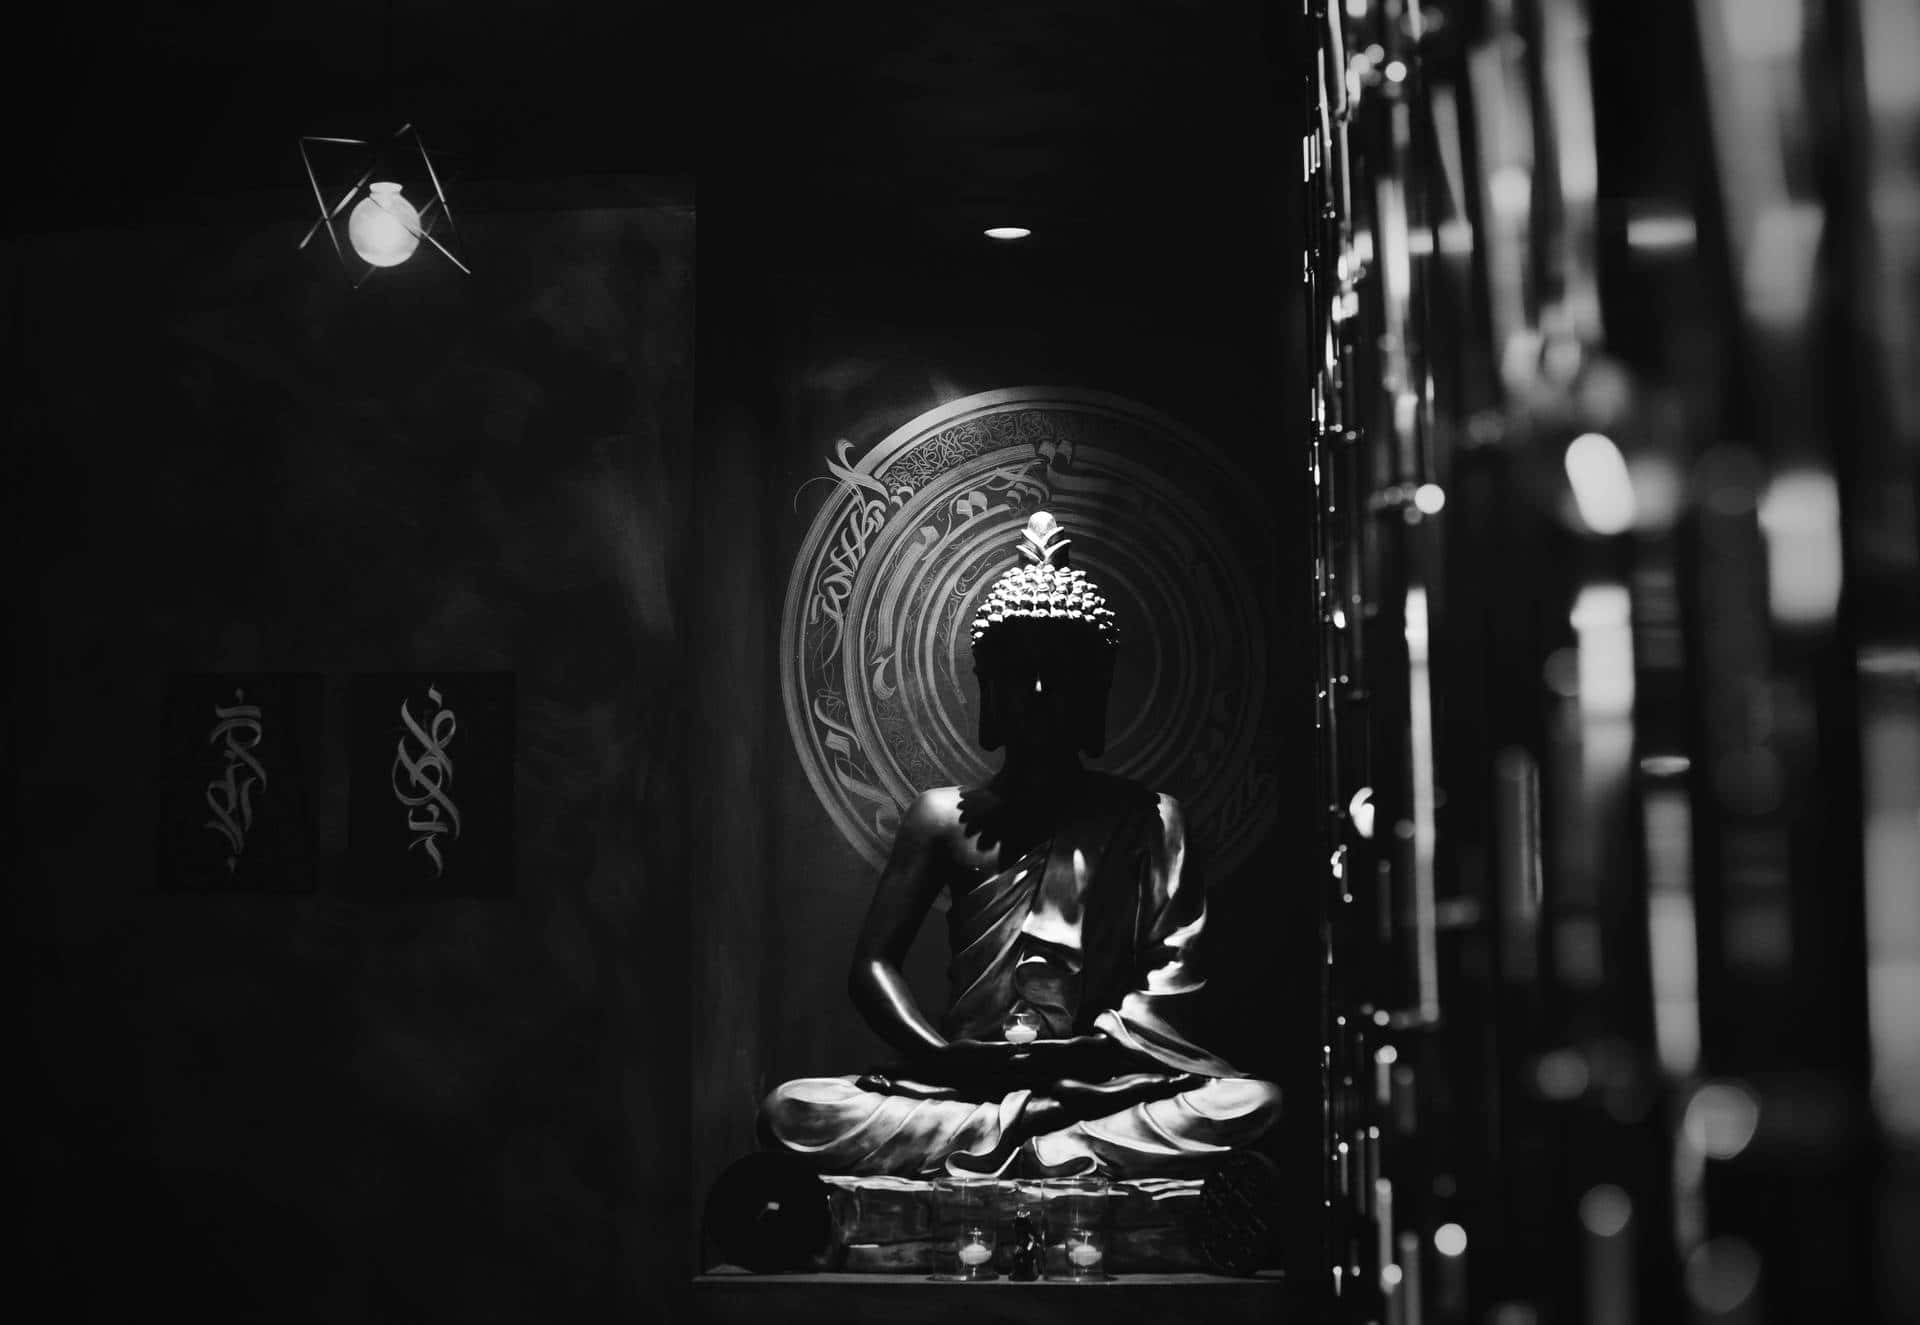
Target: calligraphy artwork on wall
pixel 875 664
pixel 238 778
pixel 431 797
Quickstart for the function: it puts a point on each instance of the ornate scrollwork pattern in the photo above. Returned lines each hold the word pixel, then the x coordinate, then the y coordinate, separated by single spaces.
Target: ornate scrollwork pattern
pixel 239 725
pixel 875 641
pixel 421 758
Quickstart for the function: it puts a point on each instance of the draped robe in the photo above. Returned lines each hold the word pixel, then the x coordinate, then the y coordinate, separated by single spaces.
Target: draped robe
pixel 1094 930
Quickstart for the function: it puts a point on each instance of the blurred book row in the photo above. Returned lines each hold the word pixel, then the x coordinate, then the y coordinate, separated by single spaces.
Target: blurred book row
pixel 1611 312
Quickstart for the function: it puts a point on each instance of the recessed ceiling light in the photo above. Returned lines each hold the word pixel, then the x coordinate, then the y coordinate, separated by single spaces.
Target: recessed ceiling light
pixel 1007 232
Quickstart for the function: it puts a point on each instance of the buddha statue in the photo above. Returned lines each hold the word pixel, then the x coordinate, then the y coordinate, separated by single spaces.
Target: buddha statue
pixel 1071 917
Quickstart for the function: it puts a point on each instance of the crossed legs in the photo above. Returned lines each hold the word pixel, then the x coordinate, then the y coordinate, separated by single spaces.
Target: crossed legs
pixel 847 1129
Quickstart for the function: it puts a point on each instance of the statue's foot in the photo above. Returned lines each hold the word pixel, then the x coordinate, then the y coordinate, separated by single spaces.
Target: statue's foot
pixel 1039 1114
pixel 1067 1103
pixel 906 1088
pixel 1014 1157
pixel 1074 1166
pixel 1081 1100
pixel 989 1165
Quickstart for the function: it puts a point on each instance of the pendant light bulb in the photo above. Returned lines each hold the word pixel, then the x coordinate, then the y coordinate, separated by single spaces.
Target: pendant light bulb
pixel 384 228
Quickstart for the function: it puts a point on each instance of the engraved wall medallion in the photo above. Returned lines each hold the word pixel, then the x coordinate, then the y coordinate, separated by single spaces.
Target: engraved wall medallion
pixel 876 672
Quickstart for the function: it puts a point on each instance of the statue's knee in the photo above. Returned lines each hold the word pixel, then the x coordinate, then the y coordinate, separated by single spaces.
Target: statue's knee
pixel 1268 1105
pixel 1255 1102
pixel 774 1110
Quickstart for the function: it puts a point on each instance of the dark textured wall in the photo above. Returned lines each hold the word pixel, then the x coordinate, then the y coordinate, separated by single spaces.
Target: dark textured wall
pixel 220 457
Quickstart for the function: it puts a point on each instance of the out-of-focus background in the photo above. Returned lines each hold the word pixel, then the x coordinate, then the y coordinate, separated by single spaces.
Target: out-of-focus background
pixel 1569 346
pixel 1614 330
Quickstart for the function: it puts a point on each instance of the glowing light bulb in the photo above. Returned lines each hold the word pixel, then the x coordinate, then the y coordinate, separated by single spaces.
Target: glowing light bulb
pixel 1721 1118
pixel 1602 486
pixel 1007 232
pixel 383 227
pixel 1800 517
pixel 1361 810
pixel 1511 190
pixel 1605 1210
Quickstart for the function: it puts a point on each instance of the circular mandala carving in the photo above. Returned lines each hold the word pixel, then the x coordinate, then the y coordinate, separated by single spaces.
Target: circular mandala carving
pixel 876 669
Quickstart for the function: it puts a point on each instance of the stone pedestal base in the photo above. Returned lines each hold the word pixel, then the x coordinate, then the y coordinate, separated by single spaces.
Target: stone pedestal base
pixel 885 1225
pixel 732 1297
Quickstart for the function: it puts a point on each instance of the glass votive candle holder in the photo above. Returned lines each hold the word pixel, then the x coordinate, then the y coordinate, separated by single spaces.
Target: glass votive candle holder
pixel 1024 1026
pixel 966 1228
pixel 1077 1212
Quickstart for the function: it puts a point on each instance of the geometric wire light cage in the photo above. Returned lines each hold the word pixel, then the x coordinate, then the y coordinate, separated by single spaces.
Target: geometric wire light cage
pixel 384 227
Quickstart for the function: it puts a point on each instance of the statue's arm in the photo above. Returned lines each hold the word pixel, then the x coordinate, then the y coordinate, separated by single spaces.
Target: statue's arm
pixel 1155 1019
pixel 1170 971
pixel 906 890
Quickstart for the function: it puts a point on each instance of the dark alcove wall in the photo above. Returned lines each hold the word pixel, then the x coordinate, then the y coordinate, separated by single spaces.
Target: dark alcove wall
pixel 220 457
pixel 806 343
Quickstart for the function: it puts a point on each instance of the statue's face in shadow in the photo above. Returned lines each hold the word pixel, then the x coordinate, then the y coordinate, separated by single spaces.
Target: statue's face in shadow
pixel 1044 696
pixel 1036 707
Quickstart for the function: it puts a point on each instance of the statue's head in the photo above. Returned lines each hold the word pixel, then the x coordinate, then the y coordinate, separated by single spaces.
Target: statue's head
pixel 1043 649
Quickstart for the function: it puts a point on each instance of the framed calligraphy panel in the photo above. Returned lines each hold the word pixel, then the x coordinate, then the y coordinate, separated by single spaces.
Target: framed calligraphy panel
pixel 239 777
pixel 430 801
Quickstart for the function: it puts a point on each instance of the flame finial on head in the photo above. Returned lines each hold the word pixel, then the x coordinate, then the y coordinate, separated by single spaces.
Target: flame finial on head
pixel 1045 588
pixel 1043 541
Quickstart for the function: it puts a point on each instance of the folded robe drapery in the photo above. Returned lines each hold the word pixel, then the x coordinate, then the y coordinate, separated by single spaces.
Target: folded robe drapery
pixel 1095 930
